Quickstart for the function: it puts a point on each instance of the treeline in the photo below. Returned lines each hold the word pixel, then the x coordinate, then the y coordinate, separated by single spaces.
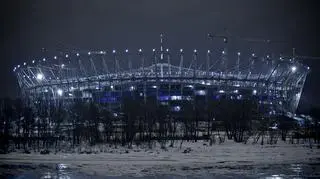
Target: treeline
pixel 139 121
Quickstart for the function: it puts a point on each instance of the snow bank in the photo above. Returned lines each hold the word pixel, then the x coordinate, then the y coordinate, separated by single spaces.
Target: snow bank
pixel 190 159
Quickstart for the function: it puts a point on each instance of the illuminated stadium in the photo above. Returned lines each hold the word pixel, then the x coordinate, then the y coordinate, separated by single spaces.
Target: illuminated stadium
pixel 107 77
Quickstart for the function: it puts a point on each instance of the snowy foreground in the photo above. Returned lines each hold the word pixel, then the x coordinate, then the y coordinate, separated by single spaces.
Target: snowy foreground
pixel 191 159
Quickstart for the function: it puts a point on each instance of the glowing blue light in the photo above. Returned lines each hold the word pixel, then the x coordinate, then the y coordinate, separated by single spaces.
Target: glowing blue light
pixel 201 92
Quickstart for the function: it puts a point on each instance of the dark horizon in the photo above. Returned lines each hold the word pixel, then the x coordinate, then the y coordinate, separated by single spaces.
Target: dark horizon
pixel 60 25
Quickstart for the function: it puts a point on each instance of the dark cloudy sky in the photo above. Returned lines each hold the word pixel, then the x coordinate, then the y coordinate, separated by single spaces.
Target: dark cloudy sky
pixel 29 25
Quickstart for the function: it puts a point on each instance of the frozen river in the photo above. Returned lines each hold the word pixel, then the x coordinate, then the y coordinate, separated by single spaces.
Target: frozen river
pixel 242 171
pixel 228 160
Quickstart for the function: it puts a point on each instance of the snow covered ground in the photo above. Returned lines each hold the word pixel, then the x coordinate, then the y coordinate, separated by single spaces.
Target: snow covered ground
pixel 192 159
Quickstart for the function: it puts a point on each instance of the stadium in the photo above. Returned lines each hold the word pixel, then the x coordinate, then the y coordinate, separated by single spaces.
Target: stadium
pixel 107 77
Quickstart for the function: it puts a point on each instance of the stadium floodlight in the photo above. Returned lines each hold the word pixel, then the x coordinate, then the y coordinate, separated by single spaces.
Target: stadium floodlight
pixel 60 92
pixel 293 69
pixel 40 76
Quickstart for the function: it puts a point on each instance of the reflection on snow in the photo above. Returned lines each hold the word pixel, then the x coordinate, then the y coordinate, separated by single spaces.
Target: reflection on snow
pixel 275 177
pixel 61 173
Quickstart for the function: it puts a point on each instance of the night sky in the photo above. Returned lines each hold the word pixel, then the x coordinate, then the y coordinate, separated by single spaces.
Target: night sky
pixel 29 26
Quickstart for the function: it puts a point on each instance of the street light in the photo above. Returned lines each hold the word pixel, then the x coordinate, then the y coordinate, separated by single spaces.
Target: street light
pixel 60 92
pixel 254 92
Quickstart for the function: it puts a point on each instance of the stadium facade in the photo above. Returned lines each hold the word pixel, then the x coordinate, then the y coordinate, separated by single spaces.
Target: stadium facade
pixel 107 77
